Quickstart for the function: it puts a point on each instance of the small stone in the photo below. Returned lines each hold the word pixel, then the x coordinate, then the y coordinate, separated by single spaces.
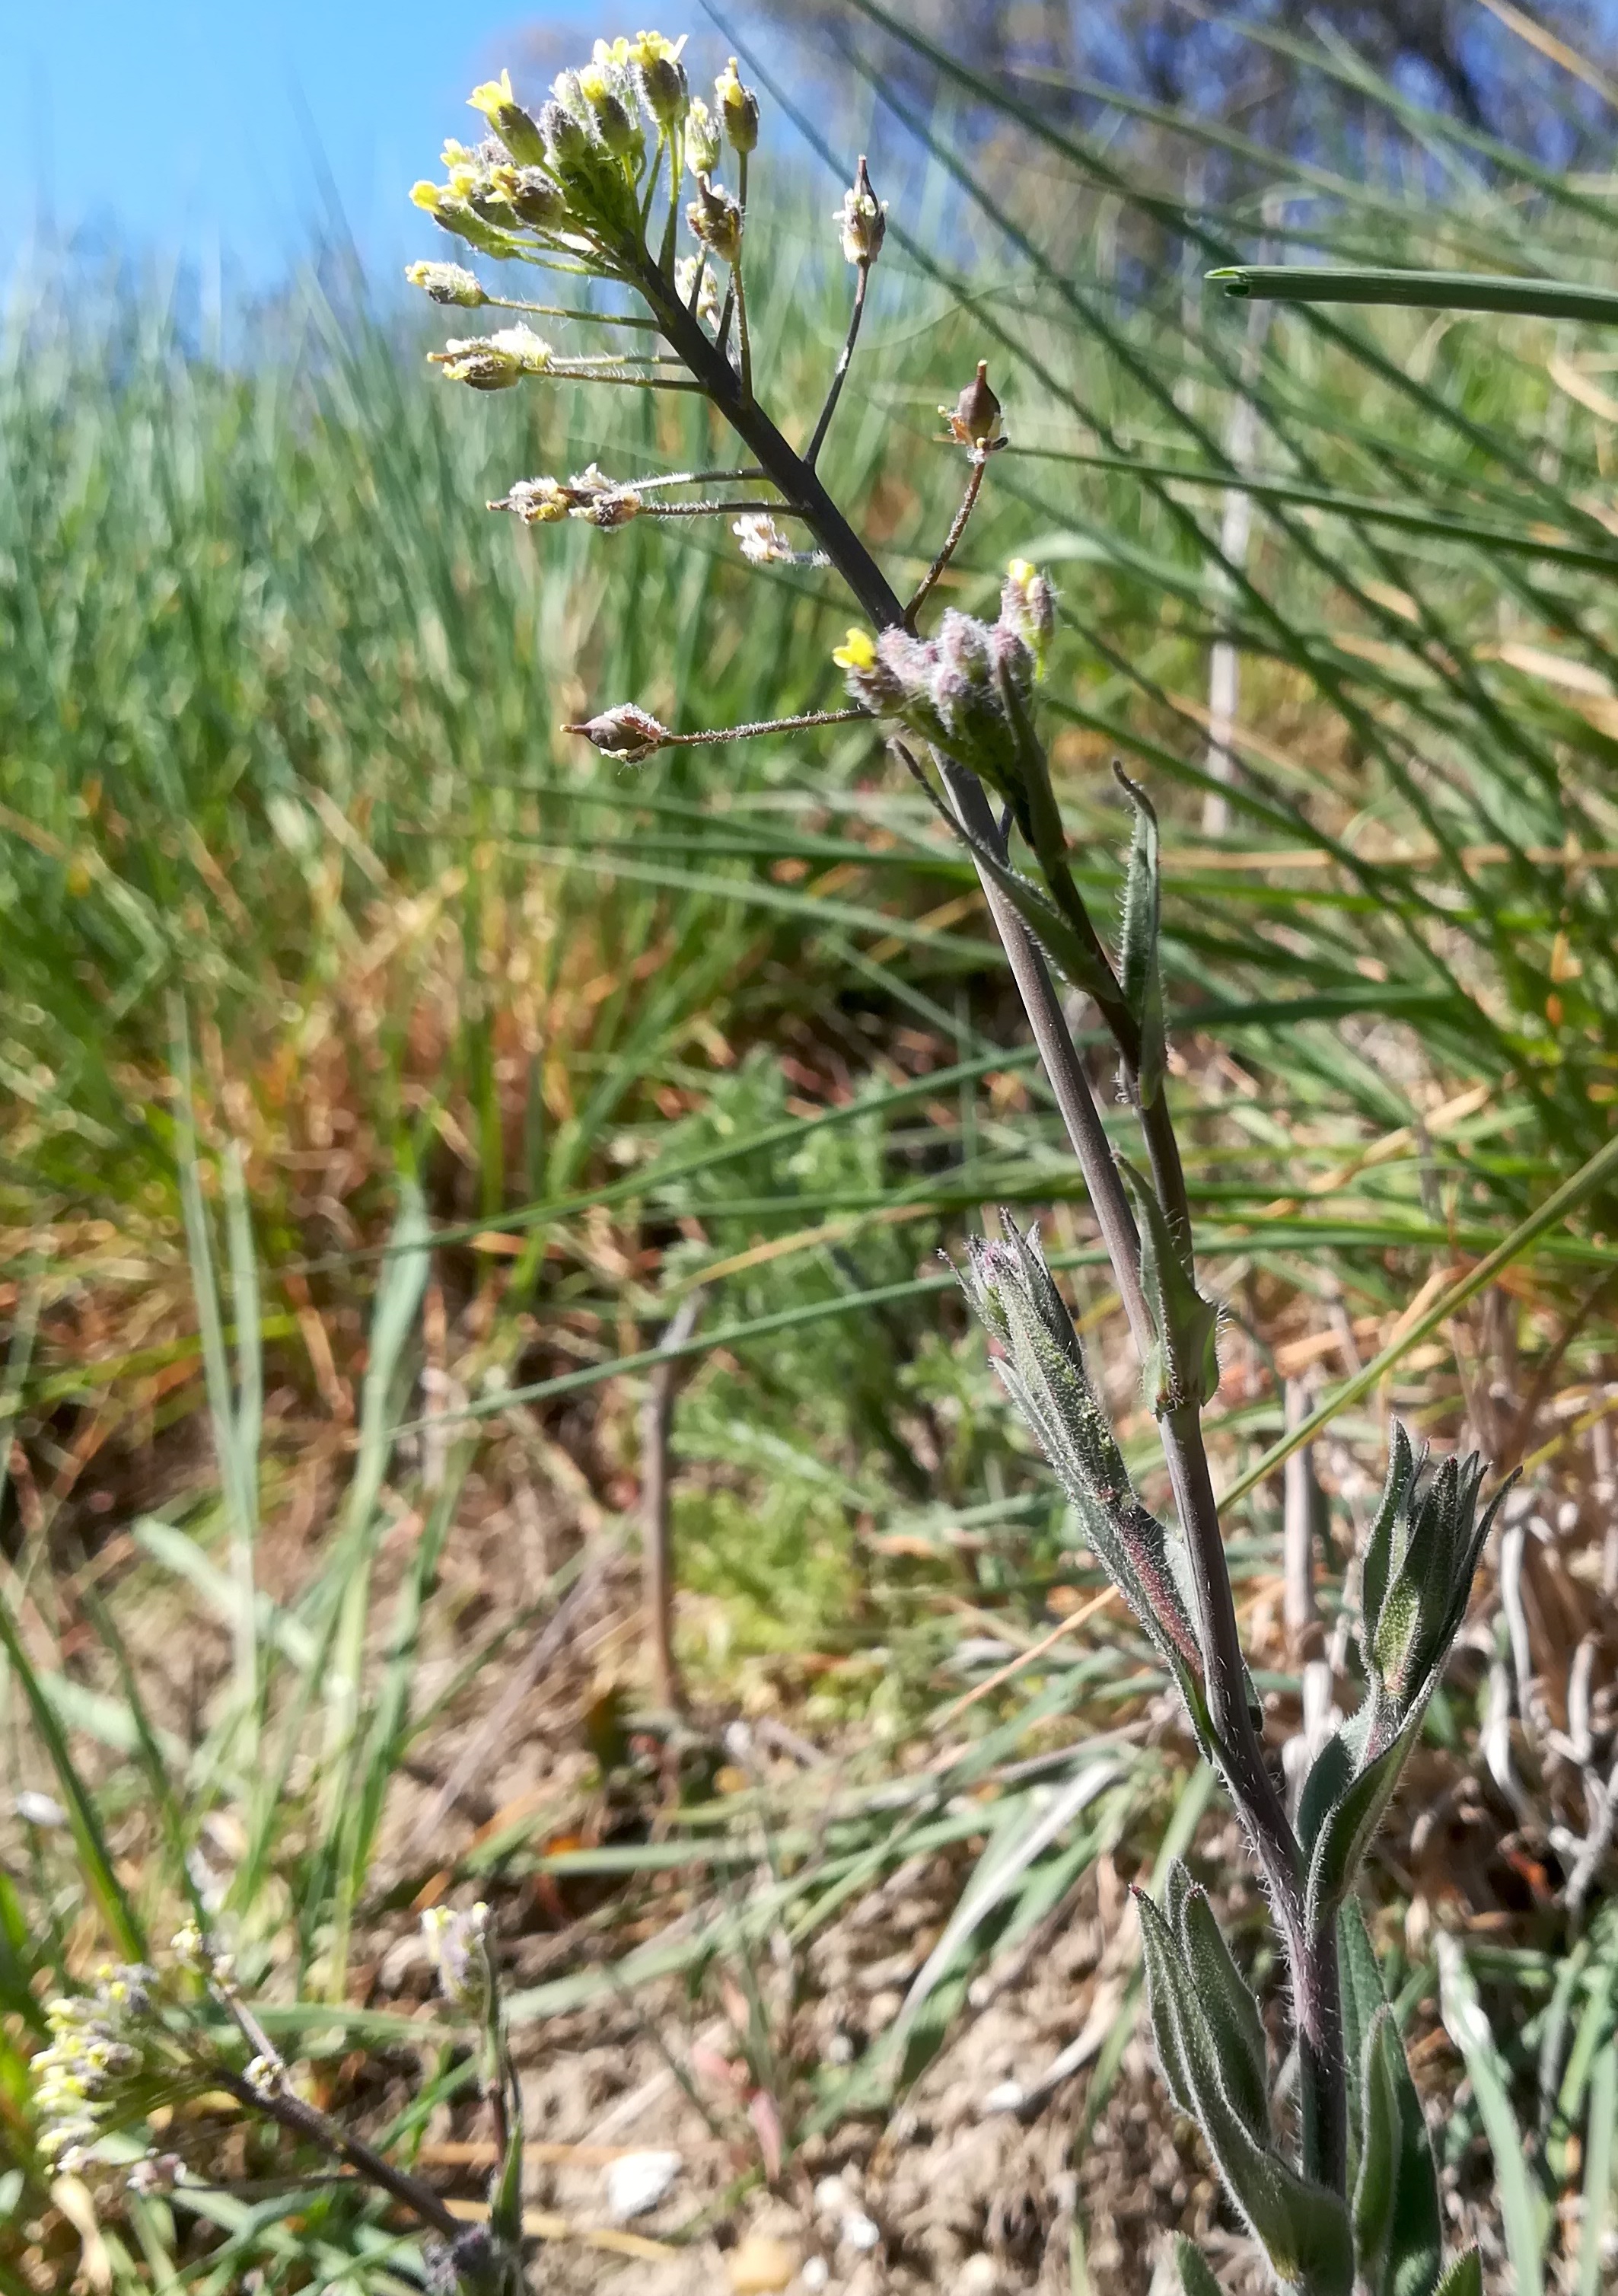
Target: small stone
pixel 815 2273
pixel 831 2196
pixel 979 2276
pixel 1005 2096
pixel 39 1809
pixel 860 2231
pixel 758 2266
pixel 637 2181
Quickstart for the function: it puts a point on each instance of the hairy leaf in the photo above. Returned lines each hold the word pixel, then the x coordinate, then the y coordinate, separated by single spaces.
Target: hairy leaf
pixel 1398 2225
pixel 1143 979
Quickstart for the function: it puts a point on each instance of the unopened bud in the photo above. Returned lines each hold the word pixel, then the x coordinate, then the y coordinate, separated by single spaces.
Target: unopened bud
pixel 493 362
pixel 664 85
pixel 537 502
pixel 626 733
pixel 1027 607
pixel 533 198
pixel 620 131
pixel 459 1946
pixel 568 142
pixel 763 541
pixel 447 282
pixel 871 679
pixel 516 129
pixel 863 219
pixel 156 2173
pixel 701 138
pixel 610 509
pixel 738 108
pixel 973 419
pixel 716 219
pixel 454 213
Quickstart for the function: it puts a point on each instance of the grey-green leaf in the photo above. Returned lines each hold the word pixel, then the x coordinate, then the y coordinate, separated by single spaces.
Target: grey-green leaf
pixel 1464 2277
pixel 1196 2279
pixel 1363 1993
pixel 1377 1560
pixel 1327 1780
pixel 1398 2226
pixel 1229 2010
pixel 1350 1826
pixel 1187 1371
pixel 1303 2227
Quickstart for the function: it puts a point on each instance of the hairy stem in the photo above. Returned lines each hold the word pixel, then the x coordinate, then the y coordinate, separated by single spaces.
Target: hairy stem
pixel 957 529
pixel 839 372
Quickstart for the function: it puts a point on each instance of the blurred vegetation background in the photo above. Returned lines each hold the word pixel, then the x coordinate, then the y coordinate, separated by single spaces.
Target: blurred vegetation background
pixel 382 1071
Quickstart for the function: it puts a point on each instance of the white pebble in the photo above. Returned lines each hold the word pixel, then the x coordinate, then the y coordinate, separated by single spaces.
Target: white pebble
pixel 39 1809
pixel 638 2182
pixel 815 2273
pixel 831 2196
pixel 859 2231
pixel 1005 2096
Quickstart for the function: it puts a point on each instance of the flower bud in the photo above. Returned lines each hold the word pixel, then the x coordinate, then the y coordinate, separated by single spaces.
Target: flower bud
pixel 872 681
pixel 155 2173
pixel 738 108
pixel 863 219
pixel 1027 606
pixel 610 508
pixel 665 89
pixel 493 362
pixel 454 213
pixel 533 198
pixel 614 122
pixel 763 541
pixel 447 282
pixel 515 128
pixel 716 219
pixel 626 733
pixel 459 1946
pixel 701 139
pixel 973 419
pixel 537 502
pixel 568 142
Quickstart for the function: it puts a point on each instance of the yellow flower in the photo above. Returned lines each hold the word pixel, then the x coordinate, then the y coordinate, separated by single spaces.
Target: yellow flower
pixel 613 52
pixel 652 48
pixel 857 651
pixel 593 83
pixel 427 195
pixel 1020 572
pixel 492 97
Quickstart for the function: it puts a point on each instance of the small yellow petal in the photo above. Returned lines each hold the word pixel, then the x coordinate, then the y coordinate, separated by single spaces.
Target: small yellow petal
pixel 857 651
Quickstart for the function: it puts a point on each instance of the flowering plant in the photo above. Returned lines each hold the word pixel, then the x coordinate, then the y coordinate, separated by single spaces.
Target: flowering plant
pixel 607 181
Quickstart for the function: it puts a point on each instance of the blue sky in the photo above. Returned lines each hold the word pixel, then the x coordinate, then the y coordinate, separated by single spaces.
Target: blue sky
pixel 187 126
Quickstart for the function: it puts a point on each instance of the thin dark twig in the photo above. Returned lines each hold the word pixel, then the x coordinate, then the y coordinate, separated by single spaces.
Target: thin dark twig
pixel 281 2103
pixel 839 372
pixel 950 539
pixel 657 1510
